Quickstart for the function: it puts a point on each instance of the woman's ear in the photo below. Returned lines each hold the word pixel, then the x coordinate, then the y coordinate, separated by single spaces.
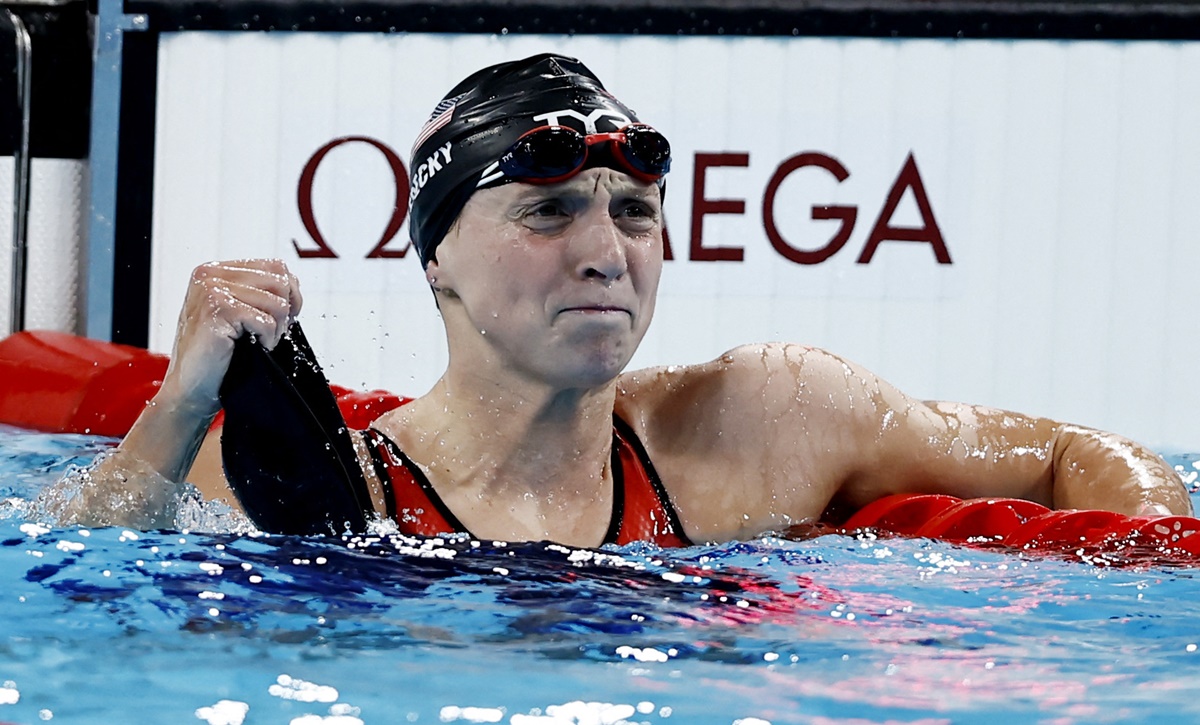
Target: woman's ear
pixel 431 274
pixel 438 279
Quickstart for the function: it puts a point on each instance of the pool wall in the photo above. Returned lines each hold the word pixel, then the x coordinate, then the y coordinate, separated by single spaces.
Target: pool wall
pixel 991 203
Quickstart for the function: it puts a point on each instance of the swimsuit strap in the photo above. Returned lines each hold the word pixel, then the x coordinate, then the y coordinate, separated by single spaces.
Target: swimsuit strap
pixel 642 510
pixel 411 501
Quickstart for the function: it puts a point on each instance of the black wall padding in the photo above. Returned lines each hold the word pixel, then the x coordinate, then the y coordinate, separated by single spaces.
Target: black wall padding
pixel 61 96
pixel 1065 19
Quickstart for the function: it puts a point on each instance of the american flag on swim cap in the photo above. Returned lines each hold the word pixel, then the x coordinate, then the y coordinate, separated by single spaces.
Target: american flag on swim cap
pixel 440 117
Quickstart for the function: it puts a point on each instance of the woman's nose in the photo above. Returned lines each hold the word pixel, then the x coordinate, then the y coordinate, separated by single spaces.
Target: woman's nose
pixel 601 250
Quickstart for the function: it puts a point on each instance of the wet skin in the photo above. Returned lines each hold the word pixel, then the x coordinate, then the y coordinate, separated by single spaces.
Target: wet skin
pixel 762 438
pixel 546 292
pixel 548 288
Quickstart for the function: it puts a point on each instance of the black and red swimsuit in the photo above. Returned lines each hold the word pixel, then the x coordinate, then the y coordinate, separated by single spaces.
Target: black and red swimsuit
pixel 642 510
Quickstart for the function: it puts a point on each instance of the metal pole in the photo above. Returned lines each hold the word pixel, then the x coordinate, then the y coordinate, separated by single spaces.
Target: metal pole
pixel 20 174
pixel 111 25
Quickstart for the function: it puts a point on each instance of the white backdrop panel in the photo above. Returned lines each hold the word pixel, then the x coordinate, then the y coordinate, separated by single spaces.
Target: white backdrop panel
pixel 1062 179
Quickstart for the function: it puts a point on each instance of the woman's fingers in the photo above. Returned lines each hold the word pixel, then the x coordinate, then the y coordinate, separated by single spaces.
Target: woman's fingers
pixel 257 311
pixel 294 295
pixel 225 301
pixel 259 296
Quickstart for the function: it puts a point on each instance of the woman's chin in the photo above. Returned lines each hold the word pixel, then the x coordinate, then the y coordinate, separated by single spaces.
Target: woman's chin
pixel 591 371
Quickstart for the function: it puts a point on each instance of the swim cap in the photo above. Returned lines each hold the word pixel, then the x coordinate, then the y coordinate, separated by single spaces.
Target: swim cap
pixel 481 117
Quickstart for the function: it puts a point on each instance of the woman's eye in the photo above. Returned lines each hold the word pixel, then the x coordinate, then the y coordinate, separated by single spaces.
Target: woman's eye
pixel 638 215
pixel 545 216
pixel 547 209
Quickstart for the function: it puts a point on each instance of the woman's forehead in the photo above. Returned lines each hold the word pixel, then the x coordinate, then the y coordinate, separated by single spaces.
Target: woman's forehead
pixel 588 182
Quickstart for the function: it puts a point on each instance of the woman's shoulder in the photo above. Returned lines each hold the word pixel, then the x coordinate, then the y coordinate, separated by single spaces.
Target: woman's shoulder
pixel 746 367
pixel 735 401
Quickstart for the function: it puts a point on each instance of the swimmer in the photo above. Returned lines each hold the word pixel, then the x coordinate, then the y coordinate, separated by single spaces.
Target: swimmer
pixel 541 237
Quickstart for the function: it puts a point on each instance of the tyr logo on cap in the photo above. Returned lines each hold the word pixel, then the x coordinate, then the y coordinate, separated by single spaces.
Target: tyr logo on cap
pixel 618 119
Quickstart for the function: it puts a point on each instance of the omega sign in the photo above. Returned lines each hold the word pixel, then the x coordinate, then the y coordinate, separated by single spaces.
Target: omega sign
pixel 809 162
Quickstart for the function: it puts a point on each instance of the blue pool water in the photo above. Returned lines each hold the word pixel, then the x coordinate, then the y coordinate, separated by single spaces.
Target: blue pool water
pixel 110 625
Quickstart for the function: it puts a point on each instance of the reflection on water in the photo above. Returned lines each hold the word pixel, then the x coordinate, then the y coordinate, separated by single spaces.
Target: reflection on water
pixel 231 628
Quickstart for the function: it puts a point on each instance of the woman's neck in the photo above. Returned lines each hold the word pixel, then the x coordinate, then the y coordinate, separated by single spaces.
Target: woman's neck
pixel 499 438
pixel 512 464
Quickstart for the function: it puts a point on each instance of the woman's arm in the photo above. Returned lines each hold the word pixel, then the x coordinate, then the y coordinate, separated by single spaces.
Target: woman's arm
pixel 768 436
pixel 973 451
pixel 140 484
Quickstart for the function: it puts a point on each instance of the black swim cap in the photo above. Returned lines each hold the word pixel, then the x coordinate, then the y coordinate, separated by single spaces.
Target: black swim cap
pixel 481 117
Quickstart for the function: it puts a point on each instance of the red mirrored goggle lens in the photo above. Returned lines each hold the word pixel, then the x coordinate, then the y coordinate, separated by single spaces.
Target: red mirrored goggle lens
pixel 554 153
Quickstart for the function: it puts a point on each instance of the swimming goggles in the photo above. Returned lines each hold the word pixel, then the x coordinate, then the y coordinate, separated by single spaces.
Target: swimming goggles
pixel 551 154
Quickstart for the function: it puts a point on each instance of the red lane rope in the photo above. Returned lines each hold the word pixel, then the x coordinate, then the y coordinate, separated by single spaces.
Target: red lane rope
pixel 1103 536
pixel 62 383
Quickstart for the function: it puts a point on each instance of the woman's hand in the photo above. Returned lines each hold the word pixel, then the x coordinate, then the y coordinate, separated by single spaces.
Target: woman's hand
pixel 226 300
pixel 141 483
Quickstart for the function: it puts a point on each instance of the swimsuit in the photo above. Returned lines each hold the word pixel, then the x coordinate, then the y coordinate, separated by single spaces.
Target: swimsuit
pixel 642 511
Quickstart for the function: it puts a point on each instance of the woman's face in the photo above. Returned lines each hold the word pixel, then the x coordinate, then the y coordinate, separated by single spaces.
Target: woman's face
pixel 554 282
